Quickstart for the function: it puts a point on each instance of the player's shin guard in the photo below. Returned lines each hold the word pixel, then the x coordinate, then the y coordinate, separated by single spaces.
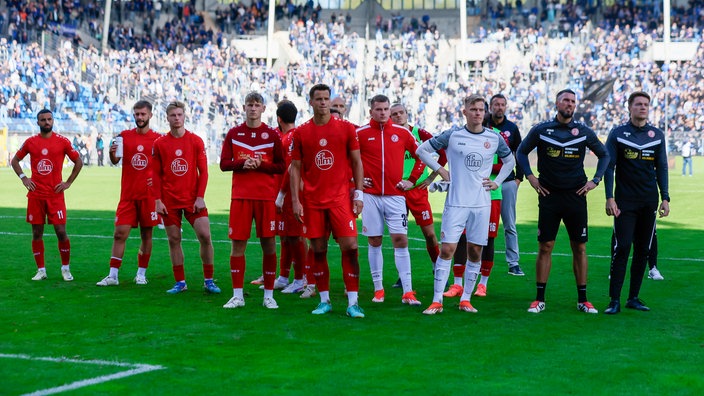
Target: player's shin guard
pixel 433 252
pixel 403 265
pixel 470 279
pixel 486 268
pixel 350 269
pixel 458 273
pixel 442 272
pixel 309 267
pixel 38 252
pixel 376 266
pixel 269 270
pixel 65 252
pixel 237 265
pixel 321 271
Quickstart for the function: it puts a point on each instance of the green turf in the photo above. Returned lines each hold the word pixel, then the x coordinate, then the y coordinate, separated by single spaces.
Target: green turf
pixel 252 351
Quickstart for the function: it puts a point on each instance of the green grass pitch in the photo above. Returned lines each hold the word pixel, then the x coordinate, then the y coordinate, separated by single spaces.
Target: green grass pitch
pixel 202 348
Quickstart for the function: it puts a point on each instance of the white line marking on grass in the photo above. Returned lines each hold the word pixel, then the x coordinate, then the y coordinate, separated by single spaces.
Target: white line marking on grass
pixel 136 368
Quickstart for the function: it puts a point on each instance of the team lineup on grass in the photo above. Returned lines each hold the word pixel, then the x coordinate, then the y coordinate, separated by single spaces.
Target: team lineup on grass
pixel 310 182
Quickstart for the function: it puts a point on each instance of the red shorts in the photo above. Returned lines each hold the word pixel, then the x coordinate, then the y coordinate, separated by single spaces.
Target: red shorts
pixel 494 218
pixel 417 203
pixel 243 211
pixel 39 210
pixel 175 215
pixel 339 219
pixel 288 226
pixel 137 212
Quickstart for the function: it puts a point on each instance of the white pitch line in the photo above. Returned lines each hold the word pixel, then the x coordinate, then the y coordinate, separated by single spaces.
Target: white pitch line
pixel 135 370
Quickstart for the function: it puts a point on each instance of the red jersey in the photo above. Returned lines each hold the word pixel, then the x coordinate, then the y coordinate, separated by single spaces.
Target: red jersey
pixel 47 161
pixel 243 142
pixel 325 163
pixel 383 147
pixel 180 170
pixel 137 164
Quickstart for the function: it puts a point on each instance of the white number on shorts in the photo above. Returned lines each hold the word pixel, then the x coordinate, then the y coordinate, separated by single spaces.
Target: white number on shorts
pixel 153 215
pixel 425 214
pixel 60 214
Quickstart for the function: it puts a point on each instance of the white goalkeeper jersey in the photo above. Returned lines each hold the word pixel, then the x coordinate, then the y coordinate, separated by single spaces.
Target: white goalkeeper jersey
pixel 470 157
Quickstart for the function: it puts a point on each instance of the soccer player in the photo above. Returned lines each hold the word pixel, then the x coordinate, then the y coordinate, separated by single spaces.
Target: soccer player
pixel 417 197
pixel 470 151
pixel 137 206
pixel 293 244
pixel 45 196
pixel 253 152
pixel 180 179
pixel 324 148
pixel 382 146
pixel 562 191
pixel 639 158
pixel 509 191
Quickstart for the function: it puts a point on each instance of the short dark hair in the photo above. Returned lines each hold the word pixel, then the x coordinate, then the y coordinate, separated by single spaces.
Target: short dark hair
pixel 378 99
pixel 317 87
pixel 636 94
pixel 497 96
pixel 141 104
pixel 564 91
pixel 287 111
pixel 43 111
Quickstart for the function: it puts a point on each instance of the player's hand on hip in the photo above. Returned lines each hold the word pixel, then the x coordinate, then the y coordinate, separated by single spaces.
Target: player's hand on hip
pixel 444 174
pixel 489 185
pixel 367 182
pixel 61 187
pixel 535 183
pixel 404 185
pixel 29 184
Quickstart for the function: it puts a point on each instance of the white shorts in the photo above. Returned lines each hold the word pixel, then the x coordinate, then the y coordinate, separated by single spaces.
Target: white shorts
pixel 380 209
pixel 456 219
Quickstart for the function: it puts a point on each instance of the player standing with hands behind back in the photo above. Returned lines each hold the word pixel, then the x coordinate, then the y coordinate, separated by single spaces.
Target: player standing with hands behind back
pixel 562 191
pixel 639 156
pixel 45 196
pixel 180 179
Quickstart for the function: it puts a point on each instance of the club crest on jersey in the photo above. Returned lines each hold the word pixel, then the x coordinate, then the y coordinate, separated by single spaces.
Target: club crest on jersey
pixel 487 145
pixel 265 135
pixel 45 151
pixel 323 142
pixel 630 154
pixel 394 138
pixel 178 152
pixel 575 131
pixel 473 161
pixel 179 166
pixel 651 134
pixel 140 148
pixel 324 160
pixel 139 161
pixel 44 167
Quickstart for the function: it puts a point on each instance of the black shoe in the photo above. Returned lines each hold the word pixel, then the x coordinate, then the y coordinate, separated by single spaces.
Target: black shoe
pixel 515 270
pixel 398 284
pixel 637 304
pixel 613 308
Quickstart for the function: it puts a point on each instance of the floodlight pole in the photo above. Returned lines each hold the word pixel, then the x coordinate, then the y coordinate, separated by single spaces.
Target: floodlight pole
pixel 666 44
pixel 270 34
pixel 106 26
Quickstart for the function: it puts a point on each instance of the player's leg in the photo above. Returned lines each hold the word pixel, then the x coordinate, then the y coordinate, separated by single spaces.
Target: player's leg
pixel 654 272
pixel 477 224
pixel 343 224
pixel 264 214
pixel 373 229
pixel 38 251
pixel 201 226
pixel 644 230
pixel 624 228
pixel 172 226
pixel 549 219
pixel 487 263
pixel 453 222
pixel 575 218
pixel 458 266
pixel 148 219
pixel 56 215
pixel 509 192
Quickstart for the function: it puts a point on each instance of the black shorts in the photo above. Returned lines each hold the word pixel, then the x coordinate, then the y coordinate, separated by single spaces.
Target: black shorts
pixel 565 206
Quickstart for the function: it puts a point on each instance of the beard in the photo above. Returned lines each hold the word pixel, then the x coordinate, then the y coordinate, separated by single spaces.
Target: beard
pixel 141 124
pixel 46 129
pixel 566 114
